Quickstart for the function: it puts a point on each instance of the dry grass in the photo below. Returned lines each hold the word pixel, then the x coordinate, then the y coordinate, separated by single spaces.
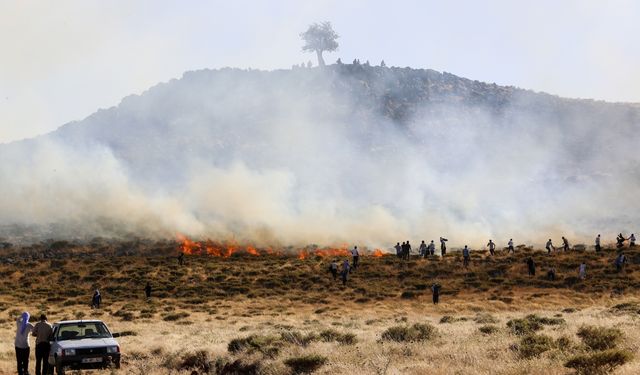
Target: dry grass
pixel 294 306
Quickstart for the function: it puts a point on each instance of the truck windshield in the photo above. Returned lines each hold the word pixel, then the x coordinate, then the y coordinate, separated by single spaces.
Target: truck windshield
pixel 82 330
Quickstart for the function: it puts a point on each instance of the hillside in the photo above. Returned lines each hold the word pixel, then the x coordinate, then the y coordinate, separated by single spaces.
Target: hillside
pixel 346 153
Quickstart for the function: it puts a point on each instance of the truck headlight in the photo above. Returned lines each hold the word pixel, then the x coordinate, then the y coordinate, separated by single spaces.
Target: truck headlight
pixel 113 349
pixel 68 352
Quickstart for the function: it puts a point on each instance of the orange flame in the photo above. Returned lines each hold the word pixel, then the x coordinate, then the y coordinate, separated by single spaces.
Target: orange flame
pixel 187 246
pixel 377 253
pixel 252 250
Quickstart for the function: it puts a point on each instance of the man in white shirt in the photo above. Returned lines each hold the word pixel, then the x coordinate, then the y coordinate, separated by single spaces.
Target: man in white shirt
pixel 510 244
pixel 356 257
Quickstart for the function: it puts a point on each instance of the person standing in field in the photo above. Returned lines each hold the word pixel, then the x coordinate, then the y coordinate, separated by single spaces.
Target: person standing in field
pixel 96 300
pixel 399 249
pixel 531 266
pixel 423 249
pixel 403 250
pixel 510 244
pixel 181 259
pixel 407 251
pixel 632 240
pixel 492 247
pixel 582 271
pixel 620 261
pixel 356 257
pixel 21 342
pixel 598 248
pixel 42 331
pixel 432 248
pixel 435 288
pixel 443 246
pixel 333 268
pixel 549 246
pixel 147 290
pixel 345 271
pixel 465 256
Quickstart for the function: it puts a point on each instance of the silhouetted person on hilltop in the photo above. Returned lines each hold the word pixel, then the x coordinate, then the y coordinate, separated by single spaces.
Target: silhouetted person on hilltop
pixel 403 249
pixel 398 249
pixel 565 244
pixel 531 266
pixel 492 247
pixel 549 246
pixel 407 253
pixel 147 290
pixel 620 241
pixel 632 240
pixel 598 248
pixel 510 248
pixel 443 246
pixel 435 288
pixel 423 249
pixel 465 256
pixel 432 248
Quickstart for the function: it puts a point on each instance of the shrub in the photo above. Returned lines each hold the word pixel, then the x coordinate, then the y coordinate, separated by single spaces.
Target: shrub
pixel 416 332
pixel 523 327
pixel 176 316
pixel 600 338
pixel 306 364
pixel 488 329
pixel 200 360
pixel 599 362
pixel 297 338
pixel 329 335
pixel 545 321
pixel 534 345
pixel 485 319
pixel 267 345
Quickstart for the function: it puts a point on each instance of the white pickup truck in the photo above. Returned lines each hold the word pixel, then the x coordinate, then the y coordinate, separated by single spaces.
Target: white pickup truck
pixel 83 344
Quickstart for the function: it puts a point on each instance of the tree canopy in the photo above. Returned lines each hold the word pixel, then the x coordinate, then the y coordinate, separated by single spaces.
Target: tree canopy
pixel 320 37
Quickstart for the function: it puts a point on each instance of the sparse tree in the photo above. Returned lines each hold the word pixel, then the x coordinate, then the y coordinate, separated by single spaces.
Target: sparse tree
pixel 320 37
pixel 382 64
pixel 339 61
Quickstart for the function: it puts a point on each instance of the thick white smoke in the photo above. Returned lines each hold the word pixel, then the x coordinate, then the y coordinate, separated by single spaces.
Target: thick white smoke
pixel 295 157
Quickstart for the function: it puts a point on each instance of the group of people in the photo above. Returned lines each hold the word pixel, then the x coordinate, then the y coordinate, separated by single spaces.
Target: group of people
pixel 346 267
pixel 404 251
pixel 42 332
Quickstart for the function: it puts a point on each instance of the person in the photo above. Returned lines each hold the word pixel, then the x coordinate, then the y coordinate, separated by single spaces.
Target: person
pixel 443 245
pixel 632 240
pixel 42 331
pixel 403 250
pixel 333 268
pixel 398 249
pixel 356 257
pixel 465 256
pixel 510 244
pixel 181 259
pixel 147 290
pixel 407 253
pixel 598 248
pixel 621 259
pixel 423 249
pixel 582 271
pixel 23 328
pixel 620 241
pixel 345 271
pixel 432 248
pixel 435 288
pixel 96 300
pixel 565 244
pixel 492 247
pixel 549 246
pixel 551 274
pixel 531 266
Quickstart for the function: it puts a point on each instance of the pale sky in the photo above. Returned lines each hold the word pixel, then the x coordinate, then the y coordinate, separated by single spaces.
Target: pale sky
pixel 62 60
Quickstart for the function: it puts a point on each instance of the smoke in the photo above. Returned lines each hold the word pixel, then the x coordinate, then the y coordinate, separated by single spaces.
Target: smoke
pixel 318 157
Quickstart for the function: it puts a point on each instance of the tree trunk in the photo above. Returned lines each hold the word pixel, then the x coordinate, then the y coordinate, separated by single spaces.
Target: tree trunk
pixel 320 59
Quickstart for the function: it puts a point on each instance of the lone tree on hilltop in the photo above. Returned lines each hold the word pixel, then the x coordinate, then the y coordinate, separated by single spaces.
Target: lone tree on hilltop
pixel 320 37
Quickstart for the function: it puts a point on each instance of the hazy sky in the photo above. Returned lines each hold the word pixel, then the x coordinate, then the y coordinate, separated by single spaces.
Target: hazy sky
pixel 62 60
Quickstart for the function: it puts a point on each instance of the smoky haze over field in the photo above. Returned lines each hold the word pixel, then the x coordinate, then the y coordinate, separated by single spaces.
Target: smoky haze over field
pixel 351 153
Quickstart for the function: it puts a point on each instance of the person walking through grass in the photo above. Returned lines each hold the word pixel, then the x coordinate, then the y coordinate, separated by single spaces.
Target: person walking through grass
pixel 510 244
pixel 549 246
pixel 407 251
pixel 565 244
pixel 96 300
pixel 23 328
pixel 598 248
pixel 147 290
pixel 345 271
pixel 435 288
pixel 42 331
pixel 620 261
pixel 465 256
pixel 356 257
pixel 333 268
pixel 492 247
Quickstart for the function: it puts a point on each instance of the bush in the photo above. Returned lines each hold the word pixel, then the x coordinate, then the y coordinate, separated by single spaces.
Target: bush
pixel 306 364
pixel 600 338
pixel 598 363
pixel 416 332
pixel 485 319
pixel 297 338
pixel 534 345
pixel 488 329
pixel 267 345
pixel 200 360
pixel 176 316
pixel 523 327
pixel 329 335
pixel 545 321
